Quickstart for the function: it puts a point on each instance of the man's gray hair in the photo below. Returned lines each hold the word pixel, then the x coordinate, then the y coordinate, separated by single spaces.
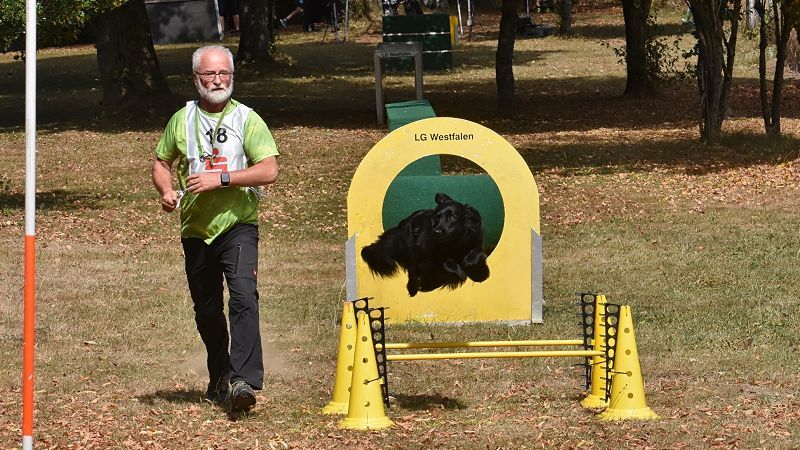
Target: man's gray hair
pixel 202 50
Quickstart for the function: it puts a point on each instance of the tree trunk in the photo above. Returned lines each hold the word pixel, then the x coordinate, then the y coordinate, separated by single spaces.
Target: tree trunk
pixel 128 65
pixel 258 33
pixel 504 59
pixel 638 82
pixel 771 110
pixel 715 58
pixel 565 15
pixel 750 13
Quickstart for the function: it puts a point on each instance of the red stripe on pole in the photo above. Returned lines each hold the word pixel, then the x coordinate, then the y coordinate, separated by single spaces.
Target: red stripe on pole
pixel 28 335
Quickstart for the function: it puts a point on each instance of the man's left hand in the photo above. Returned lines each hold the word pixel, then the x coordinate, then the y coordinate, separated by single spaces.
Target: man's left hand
pixel 202 182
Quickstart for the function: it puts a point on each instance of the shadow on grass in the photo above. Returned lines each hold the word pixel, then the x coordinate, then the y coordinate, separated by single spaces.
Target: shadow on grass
pixel 318 84
pixel 594 31
pixel 422 402
pixel 174 396
pixel 687 156
pixel 327 86
pixel 237 416
pixel 184 396
pixel 57 200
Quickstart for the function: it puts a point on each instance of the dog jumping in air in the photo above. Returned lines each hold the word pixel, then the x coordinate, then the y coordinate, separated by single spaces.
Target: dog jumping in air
pixel 439 247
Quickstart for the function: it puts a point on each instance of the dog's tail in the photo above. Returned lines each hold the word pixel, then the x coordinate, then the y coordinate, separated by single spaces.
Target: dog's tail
pixel 378 260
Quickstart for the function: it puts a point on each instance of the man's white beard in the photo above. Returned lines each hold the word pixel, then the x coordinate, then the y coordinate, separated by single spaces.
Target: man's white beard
pixel 215 97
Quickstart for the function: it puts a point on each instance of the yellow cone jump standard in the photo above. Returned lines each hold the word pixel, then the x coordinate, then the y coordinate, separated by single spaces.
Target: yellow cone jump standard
pixel 366 401
pixel 344 363
pixel 597 395
pixel 627 388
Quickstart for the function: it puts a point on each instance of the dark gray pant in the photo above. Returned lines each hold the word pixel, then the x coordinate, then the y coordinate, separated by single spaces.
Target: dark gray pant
pixel 233 254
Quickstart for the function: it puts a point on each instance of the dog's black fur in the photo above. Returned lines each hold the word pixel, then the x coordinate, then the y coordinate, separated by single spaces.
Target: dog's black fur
pixel 439 247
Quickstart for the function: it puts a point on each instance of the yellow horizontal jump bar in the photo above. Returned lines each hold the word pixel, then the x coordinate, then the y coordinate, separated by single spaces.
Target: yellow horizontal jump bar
pixel 540 343
pixel 539 354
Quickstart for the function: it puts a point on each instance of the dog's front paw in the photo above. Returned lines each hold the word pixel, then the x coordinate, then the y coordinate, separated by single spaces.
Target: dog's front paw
pixel 474 257
pixel 478 274
pixel 475 265
pixel 453 267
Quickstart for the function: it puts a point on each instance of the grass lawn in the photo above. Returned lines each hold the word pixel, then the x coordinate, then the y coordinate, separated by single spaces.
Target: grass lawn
pixel 700 241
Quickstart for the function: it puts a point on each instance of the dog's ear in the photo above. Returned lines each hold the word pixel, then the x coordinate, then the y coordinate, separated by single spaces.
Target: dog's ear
pixel 472 215
pixel 441 198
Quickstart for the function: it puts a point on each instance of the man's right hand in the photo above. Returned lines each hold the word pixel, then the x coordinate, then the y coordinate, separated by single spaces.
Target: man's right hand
pixel 162 180
pixel 169 201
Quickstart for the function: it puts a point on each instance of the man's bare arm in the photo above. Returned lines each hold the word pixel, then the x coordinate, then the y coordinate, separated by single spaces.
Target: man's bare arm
pixel 260 174
pixel 162 180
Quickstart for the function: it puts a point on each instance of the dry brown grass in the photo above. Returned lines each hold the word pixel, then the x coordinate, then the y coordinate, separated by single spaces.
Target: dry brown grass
pixel 700 241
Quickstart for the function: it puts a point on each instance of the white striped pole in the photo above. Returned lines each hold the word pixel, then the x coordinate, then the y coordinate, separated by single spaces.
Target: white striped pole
pixel 30 226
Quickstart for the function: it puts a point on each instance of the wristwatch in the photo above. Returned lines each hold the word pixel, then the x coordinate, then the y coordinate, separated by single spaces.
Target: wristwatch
pixel 225 178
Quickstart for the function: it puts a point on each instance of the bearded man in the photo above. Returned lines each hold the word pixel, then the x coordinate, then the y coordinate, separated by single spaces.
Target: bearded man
pixel 224 152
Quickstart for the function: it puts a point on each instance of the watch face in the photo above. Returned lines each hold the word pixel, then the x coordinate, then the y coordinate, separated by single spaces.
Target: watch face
pixel 225 178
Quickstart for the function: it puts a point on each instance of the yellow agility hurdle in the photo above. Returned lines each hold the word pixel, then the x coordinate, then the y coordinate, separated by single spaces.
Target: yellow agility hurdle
pixel 485 344
pixel 477 355
pixel 529 343
pixel 609 347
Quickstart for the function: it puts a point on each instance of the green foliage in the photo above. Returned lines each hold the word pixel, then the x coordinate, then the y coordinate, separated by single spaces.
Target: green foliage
pixel 58 21
pixel 665 61
pixel 360 9
pixel 12 22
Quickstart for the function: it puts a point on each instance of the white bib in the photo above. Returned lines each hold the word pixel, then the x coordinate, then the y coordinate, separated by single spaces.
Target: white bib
pixel 223 153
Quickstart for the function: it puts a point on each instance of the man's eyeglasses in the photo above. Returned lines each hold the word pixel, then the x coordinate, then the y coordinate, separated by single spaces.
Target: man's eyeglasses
pixel 209 76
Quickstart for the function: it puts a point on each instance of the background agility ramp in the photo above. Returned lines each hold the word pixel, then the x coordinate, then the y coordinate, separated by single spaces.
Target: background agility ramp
pixel 506 197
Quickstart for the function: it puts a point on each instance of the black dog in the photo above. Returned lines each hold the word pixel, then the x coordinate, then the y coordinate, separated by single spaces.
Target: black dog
pixel 437 247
